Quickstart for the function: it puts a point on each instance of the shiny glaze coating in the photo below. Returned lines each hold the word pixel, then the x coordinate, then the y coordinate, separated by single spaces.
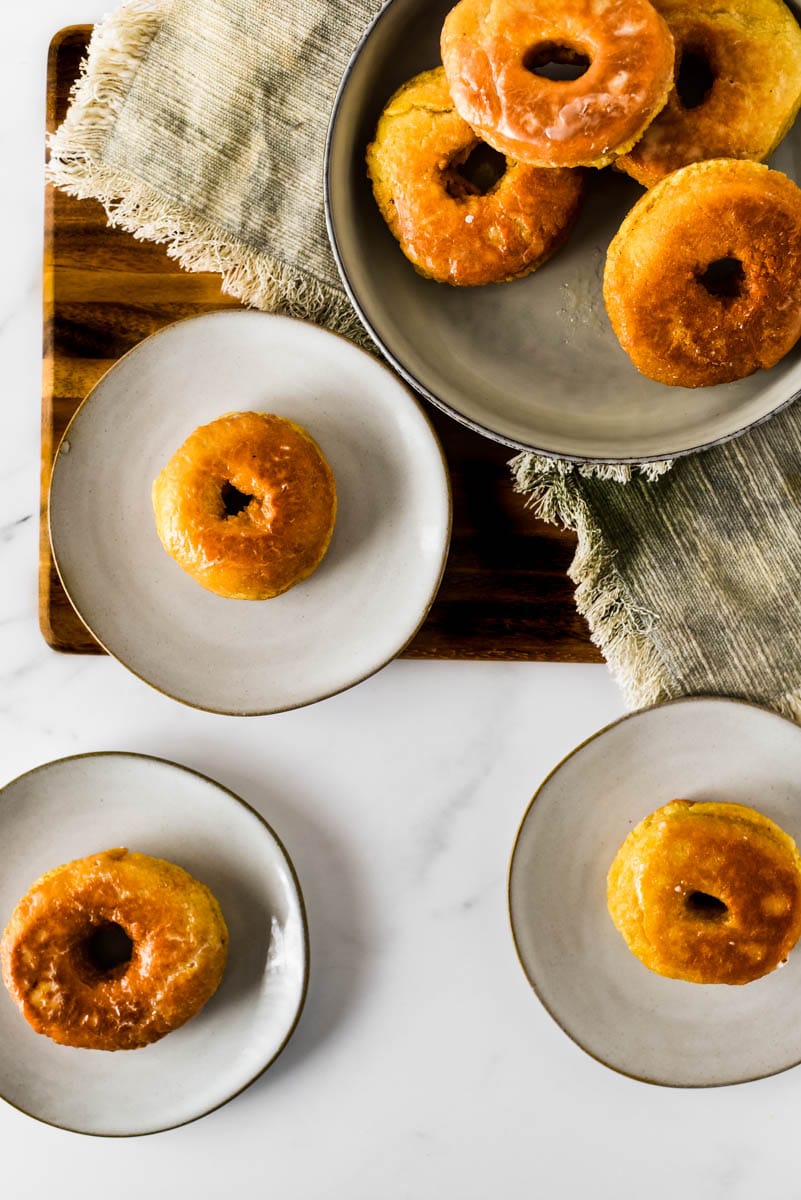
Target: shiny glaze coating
pixel 752 49
pixel 180 946
pixel 282 533
pixel 587 121
pixel 727 852
pixel 671 325
pixel 446 228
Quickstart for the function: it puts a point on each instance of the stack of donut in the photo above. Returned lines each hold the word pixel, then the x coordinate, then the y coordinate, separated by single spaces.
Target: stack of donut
pixel 478 166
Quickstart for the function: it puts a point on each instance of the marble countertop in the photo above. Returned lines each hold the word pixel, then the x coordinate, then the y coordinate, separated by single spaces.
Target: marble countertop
pixel 423 1065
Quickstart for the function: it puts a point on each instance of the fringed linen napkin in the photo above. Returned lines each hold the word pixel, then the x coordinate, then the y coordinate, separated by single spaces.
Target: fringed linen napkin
pixel 201 124
pixel 691 582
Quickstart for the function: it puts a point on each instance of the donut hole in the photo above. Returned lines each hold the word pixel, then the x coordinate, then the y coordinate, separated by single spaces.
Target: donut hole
pixel 556 61
pixel 234 501
pixel 108 949
pixel 709 908
pixel 477 173
pixel 723 278
pixel 694 77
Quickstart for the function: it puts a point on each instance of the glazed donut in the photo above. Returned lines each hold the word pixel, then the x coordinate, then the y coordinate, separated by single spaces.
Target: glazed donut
pixel 246 505
pixel 703 279
pixel 708 893
pixel 113 951
pixel 452 229
pixel 492 50
pixel 738 86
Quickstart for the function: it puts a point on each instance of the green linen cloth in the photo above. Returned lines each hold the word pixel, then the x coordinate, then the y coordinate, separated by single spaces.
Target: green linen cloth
pixel 201 124
pixel 691 582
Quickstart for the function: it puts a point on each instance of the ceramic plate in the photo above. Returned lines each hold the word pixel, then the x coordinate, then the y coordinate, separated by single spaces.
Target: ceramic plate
pixel 76 806
pixel 385 561
pixel 659 1030
pixel 534 363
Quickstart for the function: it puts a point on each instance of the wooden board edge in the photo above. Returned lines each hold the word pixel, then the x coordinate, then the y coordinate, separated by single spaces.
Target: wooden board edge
pixel 47 572
pixel 589 657
pixel 48 367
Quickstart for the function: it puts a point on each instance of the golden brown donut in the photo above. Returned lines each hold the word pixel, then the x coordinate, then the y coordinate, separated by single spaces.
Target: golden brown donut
pixel 708 893
pixel 247 505
pixel 703 279
pixel 492 48
pixel 113 951
pixel 451 229
pixel 747 53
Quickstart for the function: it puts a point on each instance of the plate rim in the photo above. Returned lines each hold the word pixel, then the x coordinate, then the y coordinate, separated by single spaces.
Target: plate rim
pixel 701 698
pixel 408 375
pixel 272 711
pixel 304 921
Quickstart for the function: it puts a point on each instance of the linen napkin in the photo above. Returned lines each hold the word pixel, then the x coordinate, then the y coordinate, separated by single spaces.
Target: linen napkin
pixel 691 581
pixel 201 124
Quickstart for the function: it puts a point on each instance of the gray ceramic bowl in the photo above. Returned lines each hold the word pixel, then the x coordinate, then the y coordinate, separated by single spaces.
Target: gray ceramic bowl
pixel 533 364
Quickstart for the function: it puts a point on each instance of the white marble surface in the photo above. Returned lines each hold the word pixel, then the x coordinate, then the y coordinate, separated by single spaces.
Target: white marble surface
pixel 423 1066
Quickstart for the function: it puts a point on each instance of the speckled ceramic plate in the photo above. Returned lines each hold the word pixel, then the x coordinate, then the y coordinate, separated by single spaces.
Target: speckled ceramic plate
pixel 534 363
pixel 655 1029
pixel 385 561
pixel 75 806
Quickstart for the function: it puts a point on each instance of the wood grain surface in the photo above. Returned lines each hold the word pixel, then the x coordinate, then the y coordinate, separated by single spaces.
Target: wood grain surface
pixel 505 593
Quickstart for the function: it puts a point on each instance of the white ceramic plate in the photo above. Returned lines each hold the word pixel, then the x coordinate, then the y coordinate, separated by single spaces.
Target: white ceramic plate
pixel 655 1029
pixel 76 806
pixel 385 561
pixel 534 364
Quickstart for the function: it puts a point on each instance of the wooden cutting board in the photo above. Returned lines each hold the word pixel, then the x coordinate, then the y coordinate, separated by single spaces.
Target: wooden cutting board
pixel 505 593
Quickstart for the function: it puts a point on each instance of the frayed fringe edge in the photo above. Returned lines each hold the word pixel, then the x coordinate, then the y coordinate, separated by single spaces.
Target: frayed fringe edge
pixel 115 53
pixel 530 470
pixel 788 705
pixel 619 629
pixel 116 50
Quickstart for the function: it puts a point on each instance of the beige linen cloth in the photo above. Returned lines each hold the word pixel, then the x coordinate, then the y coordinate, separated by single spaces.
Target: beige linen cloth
pixel 201 124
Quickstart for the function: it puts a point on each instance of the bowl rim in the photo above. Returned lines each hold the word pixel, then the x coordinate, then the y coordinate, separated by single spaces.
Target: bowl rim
pixel 408 375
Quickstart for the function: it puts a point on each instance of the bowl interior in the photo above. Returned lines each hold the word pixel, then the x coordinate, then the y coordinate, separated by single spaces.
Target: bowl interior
pixel 532 363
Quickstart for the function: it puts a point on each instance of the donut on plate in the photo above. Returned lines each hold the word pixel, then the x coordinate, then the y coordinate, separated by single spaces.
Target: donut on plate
pixel 453 225
pixel 708 893
pixel 113 951
pixel 703 279
pixel 492 51
pixel 738 86
pixel 247 505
